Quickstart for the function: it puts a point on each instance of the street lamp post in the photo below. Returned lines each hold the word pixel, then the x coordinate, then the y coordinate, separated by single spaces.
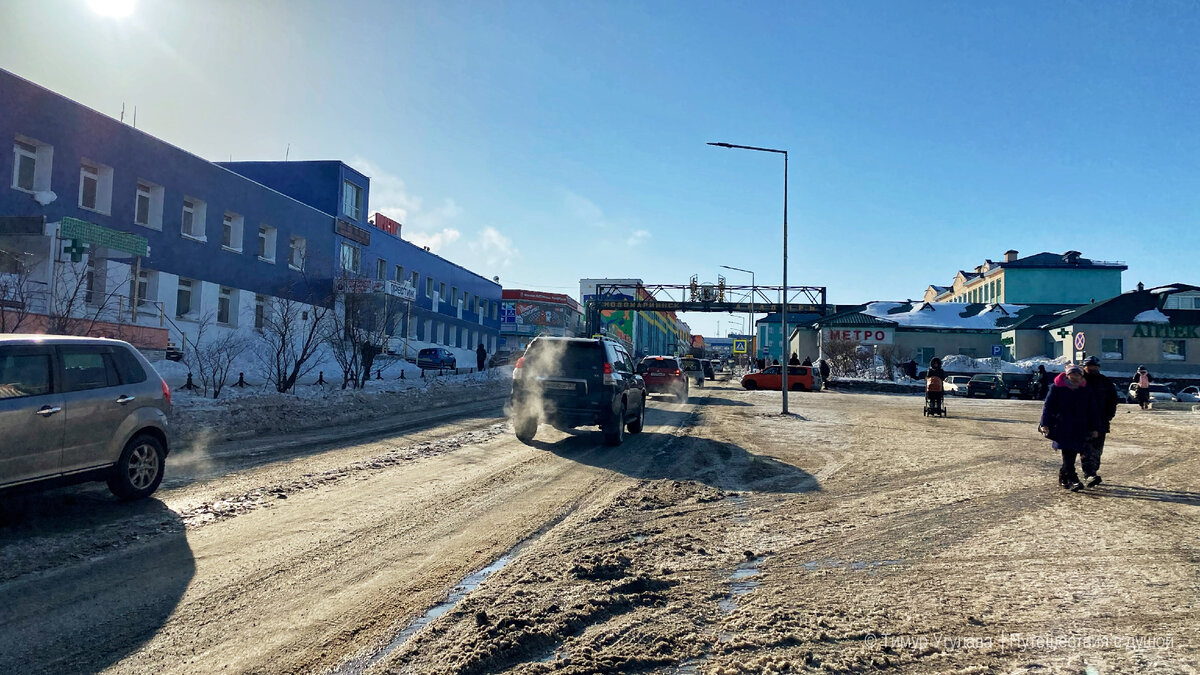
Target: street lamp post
pixel 783 314
pixel 753 290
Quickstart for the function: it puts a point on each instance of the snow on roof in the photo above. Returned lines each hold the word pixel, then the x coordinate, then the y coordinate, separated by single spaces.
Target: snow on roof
pixel 1163 289
pixel 942 314
pixel 1152 316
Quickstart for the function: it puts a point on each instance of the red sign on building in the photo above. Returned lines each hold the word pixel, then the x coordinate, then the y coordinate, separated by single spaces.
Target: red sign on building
pixel 386 224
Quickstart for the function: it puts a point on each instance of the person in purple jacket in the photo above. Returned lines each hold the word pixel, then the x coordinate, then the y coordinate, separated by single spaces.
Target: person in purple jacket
pixel 1070 419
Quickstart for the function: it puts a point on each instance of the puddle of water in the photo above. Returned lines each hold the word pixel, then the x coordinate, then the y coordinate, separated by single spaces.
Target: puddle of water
pixel 741 583
pixel 457 594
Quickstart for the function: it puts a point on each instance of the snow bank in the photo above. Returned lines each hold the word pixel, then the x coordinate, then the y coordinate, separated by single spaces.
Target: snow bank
pixel 942 314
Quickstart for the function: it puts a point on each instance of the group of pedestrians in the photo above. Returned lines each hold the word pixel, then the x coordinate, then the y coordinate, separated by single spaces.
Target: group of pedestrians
pixel 1076 417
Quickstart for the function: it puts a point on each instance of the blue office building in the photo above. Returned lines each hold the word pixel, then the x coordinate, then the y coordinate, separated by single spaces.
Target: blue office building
pixel 93 206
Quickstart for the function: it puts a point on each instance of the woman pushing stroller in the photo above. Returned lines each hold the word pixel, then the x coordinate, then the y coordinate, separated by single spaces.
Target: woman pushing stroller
pixel 935 388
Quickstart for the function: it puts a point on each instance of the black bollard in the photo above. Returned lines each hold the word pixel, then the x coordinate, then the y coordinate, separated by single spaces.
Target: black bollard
pixel 241 381
pixel 378 374
pixel 422 373
pixel 189 385
pixel 320 377
pixel 402 374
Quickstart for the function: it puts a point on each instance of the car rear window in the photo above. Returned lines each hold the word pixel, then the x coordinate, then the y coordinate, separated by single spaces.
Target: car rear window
pixel 658 364
pixel 128 367
pixel 87 368
pixel 24 374
pixel 562 357
pixel 691 364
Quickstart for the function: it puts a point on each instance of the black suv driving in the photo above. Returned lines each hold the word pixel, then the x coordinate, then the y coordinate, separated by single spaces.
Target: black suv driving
pixel 574 382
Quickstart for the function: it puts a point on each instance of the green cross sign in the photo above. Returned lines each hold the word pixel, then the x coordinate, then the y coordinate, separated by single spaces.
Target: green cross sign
pixel 76 248
pixel 1062 333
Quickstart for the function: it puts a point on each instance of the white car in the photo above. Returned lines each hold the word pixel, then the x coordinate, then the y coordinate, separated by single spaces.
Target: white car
pixel 1189 394
pixel 956 385
pixel 1158 392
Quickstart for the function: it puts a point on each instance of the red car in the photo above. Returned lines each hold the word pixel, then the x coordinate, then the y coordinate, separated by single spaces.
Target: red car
pixel 663 376
pixel 800 378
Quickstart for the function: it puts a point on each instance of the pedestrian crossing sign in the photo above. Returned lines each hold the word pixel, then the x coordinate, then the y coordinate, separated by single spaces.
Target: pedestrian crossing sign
pixel 739 346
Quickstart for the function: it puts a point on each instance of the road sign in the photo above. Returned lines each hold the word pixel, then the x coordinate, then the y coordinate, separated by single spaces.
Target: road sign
pixel 996 363
pixel 1080 340
pixel 997 350
pixel 739 346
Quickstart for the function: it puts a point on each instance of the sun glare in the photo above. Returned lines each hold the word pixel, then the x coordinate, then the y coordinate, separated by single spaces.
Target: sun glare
pixel 113 8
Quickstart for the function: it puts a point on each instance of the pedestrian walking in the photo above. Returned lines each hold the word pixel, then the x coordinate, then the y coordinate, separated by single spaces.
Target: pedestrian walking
pixel 1143 380
pixel 823 367
pixel 1105 395
pixel 935 390
pixel 1070 419
pixel 795 360
pixel 1044 379
pixel 480 357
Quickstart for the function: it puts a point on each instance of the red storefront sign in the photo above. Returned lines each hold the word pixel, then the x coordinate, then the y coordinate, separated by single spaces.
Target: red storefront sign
pixel 386 224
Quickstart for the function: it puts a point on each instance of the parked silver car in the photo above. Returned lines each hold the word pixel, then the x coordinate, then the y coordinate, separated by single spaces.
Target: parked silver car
pixel 78 409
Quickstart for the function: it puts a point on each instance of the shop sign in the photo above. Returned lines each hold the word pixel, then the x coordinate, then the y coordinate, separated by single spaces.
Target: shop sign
pixel 1162 330
pixel 91 233
pixel 864 336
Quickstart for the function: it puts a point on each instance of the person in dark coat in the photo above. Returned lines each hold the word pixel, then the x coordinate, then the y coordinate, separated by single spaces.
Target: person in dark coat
pixel 1105 395
pixel 1142 379
pixel 481 357
pixel 823 367
pixel 1070 418
pixel 795 360
pixel 1043 380
pixel 935 388
pixel 807 361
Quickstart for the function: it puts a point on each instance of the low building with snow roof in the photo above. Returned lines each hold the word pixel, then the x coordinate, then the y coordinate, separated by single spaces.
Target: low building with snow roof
pixel 1154 327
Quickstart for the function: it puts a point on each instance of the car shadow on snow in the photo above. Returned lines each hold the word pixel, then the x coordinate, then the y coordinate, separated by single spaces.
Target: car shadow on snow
pixel 1144 493
pixel 86 580
pixel 658 456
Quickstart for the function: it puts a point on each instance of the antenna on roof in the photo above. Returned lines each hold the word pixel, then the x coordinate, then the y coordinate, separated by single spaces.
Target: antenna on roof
pixel 287 152
pixel 122 111
pixel 135 117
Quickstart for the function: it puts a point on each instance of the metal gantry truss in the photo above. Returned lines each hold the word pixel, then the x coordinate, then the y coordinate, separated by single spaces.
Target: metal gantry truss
pixel 697 297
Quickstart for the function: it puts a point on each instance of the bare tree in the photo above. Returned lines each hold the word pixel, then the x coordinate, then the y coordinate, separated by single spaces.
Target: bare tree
pixel 292 331
pixel 212 354
pixel 83 296
pixel 842 356
pixel 17 293
pixel 357 333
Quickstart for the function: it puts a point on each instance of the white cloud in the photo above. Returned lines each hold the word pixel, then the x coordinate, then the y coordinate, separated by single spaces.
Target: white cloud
pixel 435 241
pixel 494 249
pixel 638 237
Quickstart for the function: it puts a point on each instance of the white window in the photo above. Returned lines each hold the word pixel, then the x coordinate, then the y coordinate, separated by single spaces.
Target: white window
pixel 352 200
pixel 1174 350
pixel 1112 349
pixel 266 243
pixel 192 223
pixel 227 307
pixel 231 231
pixel 399 273
pixel 415 278
pixel 147 288
pixel 260 311
pixel 148 208
pixel 381 269
pixel 429 287
pixel 94 279
pixel 31 164
pixel 296 247
pixel 350 258
pixel 183 299
pixel 95 186
pixel 442 290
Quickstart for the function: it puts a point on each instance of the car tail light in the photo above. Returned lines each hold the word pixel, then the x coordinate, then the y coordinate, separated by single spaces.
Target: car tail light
pixel 166 390
pixel 517 368
pixel 608 374
pixel 678 372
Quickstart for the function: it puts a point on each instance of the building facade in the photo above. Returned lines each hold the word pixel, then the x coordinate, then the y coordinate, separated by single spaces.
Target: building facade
pixel 646 333
pixel 1043 278
pixel 525 315
pixel 97 217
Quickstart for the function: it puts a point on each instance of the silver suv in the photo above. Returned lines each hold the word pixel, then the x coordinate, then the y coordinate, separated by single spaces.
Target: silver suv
pixel 79 409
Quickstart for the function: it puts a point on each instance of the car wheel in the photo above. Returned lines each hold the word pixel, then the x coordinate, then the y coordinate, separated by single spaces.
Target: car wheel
pixel 750 384
pixel 614 431
pixel 636 426
pixel 797 387
pixel 140 468
pixel 525 427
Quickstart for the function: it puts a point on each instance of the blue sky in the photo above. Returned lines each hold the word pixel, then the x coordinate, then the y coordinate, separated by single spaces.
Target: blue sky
pixel 548 141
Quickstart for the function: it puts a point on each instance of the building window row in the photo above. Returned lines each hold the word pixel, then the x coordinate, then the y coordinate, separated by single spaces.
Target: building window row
pixel 32 161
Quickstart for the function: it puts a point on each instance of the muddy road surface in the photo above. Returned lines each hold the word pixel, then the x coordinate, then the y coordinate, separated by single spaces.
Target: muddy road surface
pixel 853 536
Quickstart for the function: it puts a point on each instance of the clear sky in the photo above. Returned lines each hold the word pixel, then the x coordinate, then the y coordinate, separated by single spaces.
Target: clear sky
pixel 548 141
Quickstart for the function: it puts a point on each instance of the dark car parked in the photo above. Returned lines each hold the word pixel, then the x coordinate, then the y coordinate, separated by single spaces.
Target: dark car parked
pixel 1020 385
pixel 709 371
pixel 663 376
pixel 574 382
pixel 987 386
pixel 435 358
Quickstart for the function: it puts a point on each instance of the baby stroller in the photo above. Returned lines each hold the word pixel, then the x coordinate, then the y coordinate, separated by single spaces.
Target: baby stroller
pixel 935 397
